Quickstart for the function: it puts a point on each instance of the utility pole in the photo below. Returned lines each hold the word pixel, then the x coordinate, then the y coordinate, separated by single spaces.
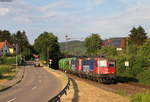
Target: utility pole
pixel 66 46
pixel 16 55
pixel 47 49
pixel 127 45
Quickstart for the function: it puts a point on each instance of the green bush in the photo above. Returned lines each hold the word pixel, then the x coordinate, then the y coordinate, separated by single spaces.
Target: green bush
pixel 137 65
pixel 8 60
pixel 107 51
pixel 120 64
pixel 5 69
pixel 141 97
pixel 144 77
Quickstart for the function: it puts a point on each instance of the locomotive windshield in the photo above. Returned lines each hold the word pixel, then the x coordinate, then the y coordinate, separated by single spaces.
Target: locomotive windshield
pixel 111 63
pixel 102 63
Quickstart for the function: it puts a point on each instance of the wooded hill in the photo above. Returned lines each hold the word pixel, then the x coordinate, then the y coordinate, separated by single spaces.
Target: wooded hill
pixel 75 47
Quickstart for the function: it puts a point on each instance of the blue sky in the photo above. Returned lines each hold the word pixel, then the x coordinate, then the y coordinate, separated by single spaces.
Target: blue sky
pixel 76 18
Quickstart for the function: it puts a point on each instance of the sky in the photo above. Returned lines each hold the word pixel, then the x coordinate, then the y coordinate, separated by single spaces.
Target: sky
pixel 75 18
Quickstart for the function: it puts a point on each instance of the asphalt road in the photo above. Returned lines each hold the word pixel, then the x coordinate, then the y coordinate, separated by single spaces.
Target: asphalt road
pixel 37 85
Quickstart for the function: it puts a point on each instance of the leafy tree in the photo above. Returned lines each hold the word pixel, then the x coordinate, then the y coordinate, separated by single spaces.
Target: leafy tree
pixel 47 46
pixel 5 35
pixel 137 36
pixel 21 40
pixel 108 51
pixel 93 43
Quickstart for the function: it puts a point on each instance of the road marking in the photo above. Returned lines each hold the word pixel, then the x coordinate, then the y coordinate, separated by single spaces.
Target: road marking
pixel 34 87
pixel 12 100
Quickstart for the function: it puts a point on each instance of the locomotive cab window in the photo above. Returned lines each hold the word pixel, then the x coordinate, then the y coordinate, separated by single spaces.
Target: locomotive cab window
pixel 111 64
pixel 102 63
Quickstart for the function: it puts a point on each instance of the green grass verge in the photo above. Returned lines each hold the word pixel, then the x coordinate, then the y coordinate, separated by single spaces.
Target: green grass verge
pixel 141 97
pixel 7 72
pixel 121 92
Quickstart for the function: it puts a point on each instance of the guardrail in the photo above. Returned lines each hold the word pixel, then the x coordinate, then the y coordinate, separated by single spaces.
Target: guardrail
pixel 57 98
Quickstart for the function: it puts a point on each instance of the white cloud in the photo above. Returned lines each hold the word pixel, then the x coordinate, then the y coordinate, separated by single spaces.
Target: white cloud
pixel 52 17
pixel 49 6
pixel 98 2
pixel 119 24
pixel 4 11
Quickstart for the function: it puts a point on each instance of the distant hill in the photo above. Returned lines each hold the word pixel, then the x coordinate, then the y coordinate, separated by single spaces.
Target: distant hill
pixel 75 47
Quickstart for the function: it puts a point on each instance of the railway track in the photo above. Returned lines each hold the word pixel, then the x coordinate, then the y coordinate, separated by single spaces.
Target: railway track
pixel 130 87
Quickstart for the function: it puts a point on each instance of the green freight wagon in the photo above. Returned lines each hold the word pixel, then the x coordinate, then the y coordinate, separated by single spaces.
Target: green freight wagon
pixel 65 63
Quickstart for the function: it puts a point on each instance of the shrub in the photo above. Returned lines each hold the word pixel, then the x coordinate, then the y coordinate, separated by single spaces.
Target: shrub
pixel 141 97
pixel 144 77
pixel 8 60
pixel 5 69
pixel 107 51
pixel 120 64
pixel 137 65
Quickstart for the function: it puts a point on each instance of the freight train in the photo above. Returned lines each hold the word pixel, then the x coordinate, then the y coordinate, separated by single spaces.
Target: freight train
pixel 96 68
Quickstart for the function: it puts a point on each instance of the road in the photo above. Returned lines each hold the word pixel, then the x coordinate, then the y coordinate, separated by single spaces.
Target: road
pixel 37 85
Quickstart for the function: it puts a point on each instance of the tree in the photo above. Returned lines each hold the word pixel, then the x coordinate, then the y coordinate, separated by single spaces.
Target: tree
pixel 108 51
pixel 21 40
pixel 93 44
pixel 137 36
pixel 5 35
pixel 47 46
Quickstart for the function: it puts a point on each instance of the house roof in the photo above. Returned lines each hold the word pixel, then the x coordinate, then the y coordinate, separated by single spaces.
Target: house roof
pixel 5 43
pixel 2 44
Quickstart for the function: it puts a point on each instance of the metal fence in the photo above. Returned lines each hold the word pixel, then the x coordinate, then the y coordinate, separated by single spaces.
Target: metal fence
pixel 57 98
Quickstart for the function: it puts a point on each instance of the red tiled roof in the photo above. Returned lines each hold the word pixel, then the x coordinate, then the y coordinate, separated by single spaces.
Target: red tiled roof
pixel 2 44
pixel 5 43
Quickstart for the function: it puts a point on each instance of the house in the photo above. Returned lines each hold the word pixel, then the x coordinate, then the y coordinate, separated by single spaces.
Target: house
pixel 6 48
pixel 119 43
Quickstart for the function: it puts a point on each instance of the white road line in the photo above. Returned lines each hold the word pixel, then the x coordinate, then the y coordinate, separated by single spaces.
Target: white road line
pixel 34 87
pixel 12 100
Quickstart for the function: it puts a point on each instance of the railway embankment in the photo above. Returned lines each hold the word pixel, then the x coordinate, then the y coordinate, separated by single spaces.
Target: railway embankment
pixel 82 90
pixel 119 92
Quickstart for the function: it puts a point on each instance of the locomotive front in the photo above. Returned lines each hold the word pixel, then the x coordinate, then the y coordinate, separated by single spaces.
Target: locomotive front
pixel 106 69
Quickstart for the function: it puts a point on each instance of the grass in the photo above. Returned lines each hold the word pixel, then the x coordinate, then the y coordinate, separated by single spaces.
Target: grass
pixel 7 72
pixel 141 97
pixel 121 92
pixel 1 87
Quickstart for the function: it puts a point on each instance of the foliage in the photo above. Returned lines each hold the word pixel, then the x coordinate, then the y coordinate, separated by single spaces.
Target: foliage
pixel 137 36
pixel 144 50
pixel 75 48
pixel 93 44
pixel 8 60
pixel 144 77
pixel 120 64
pixel 108 51
pixel 137 65
pixel 121 92
pixel 5 35
pixel 21 40
pixel 47 46
pixel 141 97
pixel 5 69
pixel 133 49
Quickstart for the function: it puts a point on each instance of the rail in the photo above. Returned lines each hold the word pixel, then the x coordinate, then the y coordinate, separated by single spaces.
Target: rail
pixel 57 98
